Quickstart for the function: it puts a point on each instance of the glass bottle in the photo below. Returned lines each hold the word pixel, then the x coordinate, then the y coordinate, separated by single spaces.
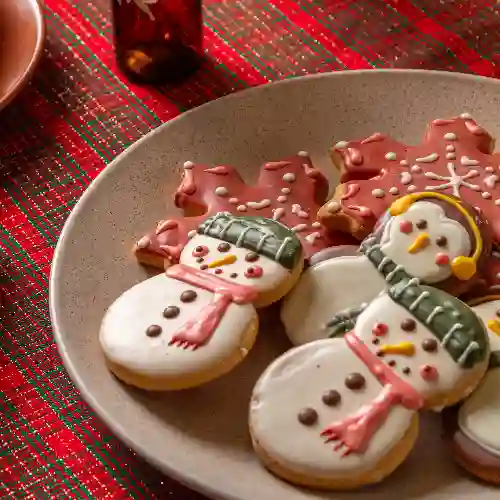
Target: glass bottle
pixel 158 41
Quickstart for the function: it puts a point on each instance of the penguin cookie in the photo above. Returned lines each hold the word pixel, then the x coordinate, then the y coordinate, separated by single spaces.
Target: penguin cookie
pixel 198 320
pixel 473 430
pixel 341 413
pixel 431 236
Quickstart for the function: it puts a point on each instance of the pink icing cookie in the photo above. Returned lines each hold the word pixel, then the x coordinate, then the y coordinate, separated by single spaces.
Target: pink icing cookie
pixel 289 191
pixel 453 158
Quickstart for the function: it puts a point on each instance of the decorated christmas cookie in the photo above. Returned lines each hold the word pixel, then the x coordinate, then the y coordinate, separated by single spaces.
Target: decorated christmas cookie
pixel 454 158
pixel 198 320
pixel 341 413
pixel 474 429
pixel 431 236
pixel 288 191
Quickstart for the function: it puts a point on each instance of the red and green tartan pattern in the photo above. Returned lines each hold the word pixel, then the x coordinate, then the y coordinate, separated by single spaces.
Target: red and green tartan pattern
pixel 78 113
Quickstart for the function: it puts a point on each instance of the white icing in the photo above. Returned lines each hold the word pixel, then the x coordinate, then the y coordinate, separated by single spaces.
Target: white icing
pixel 497 202
pixel 316 225
pixel 282 199
pixel 188 165
pixel 289 177
pixel 311 238
pixel 451 156
pixel 192 233
pixel 411 188
pixel 341 144
pixel 278 213
pixel 450 136
pixel 491 180
pixel 297 210
pixel 450 147
pixel 273 273
pixel 234 201
pixel 466 116
pixel 286 190
pixel 241 208
pixel 394 190
pixel 123 330
pixel 404 163
pixel 221 191
pixel 486 195
pixel 144 242
pixel 453 181
pixel 258 205
pixel 379 193
pixel 390 155
pixel 468 162
pixel 479 416
pixel 299 227
pixel 416 169
pixel 297 380
pixel 405 178
pixel 428 159
pixel 303 153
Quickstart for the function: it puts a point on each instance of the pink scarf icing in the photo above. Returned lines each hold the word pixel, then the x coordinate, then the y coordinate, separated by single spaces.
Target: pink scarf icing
pixel 356 431
pixel 198 331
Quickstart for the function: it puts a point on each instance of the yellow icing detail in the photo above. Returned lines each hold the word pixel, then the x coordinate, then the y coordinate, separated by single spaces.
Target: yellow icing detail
pixel 421 241
pixel 463 267
pixel 494 326
pixel 463 271
pixel 227 259
pixel 404 348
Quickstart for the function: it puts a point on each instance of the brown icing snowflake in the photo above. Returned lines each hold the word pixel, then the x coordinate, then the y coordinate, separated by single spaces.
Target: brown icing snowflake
pixel 290 191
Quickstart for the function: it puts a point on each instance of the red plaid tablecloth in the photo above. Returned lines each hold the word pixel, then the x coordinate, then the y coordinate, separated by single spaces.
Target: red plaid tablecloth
pixel 78 113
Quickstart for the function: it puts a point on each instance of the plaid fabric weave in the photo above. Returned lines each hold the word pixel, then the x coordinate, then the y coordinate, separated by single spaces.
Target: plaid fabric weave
pixel 78 113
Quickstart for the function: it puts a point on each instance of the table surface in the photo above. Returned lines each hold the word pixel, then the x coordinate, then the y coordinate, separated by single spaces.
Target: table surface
pixel 79 112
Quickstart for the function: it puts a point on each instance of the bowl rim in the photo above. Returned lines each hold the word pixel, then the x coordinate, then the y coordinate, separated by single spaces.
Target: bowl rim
pixel 167 466
pixel 37 10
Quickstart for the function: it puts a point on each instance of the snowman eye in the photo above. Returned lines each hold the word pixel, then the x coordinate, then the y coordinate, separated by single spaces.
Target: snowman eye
pixel 251 256
pixel 421 224
pixel 441 241
pixel 200 251
pixel 254 272
pixel 224 247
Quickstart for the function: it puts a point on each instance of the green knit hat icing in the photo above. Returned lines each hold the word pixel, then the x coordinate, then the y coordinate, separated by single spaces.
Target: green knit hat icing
pixel 454 323
pixel 264 236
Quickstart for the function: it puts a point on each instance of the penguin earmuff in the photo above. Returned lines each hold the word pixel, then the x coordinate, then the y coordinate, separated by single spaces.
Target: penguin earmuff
pixel 462 267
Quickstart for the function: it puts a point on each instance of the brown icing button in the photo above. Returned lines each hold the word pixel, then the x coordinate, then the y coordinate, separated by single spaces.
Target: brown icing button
pixel 408 325
pixel 224 247
pixel 308 416
pixel 200 260
pixel 430 345
pixel 188 296
pixel 251 256
pixel 355 381
pixel 203 267
pixel 441 241
pixel 171 312
pixel 233 275
pixel 376 341
pixel 498 313
pixel 218 271
pixel 421 224
pixel 153 331
pixel 406 370
pixel 331 398
pixel 392 363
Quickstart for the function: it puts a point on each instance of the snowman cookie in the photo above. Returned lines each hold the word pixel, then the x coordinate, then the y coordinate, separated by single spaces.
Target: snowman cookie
pixel 431 236
pixel 343 412
pixel 198 320
pixel 473 429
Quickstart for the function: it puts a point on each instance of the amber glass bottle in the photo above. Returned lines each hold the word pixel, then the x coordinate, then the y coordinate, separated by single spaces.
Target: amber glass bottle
pixel 158 41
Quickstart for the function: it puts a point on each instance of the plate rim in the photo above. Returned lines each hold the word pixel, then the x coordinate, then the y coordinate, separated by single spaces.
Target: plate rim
pixel 167 466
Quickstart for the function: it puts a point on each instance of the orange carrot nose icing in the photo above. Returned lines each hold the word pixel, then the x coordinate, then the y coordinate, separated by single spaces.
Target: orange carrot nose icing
pixel 494 326
pixel 227 259
pixel 403 348
pixel 421 241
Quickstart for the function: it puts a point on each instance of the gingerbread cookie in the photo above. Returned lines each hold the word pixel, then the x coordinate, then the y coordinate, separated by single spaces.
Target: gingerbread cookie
pixel 198 320
pixel 431 236
pixel 454 158
pixel 289 191
pixel 341 413
pixel 473 430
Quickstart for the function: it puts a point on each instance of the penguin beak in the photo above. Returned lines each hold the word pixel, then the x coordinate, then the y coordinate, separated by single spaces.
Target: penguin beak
pixel 227 259
pixel 494 326
pixel 421 241
pixel 403 348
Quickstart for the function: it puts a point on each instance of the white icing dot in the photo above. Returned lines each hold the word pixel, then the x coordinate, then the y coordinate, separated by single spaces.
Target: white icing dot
pixel 333 206
pixel 341 144
pixel 405 178
pixel 411 188
pixel 468 162
pixel 241 208
pixel 486 195
pixel 394 190
pixel 451 156
pixel 299 227
pixel 450 136
pixel 221 191
pixel 188 164
pixel 497 276
pixel 390 155
pixel 450 147
pixel 489 169
pixel 303 153
pixel 428 159
pixel 144 242
pixel 289 177
pixel 316 225
pixel 416 169
pixel 466 116
pixel 278 213
pixel 282 199
pixel 243 352
pixel 286 190
pixel 404 163
pixel 191 233
pixel 497 202
pixel 234 201
pixel 258 205
pixel 378 193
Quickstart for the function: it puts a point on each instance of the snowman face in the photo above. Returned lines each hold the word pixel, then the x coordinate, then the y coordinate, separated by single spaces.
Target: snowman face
pixel 412 351
pixel 425 241
pixel 233 263
pixel 489 313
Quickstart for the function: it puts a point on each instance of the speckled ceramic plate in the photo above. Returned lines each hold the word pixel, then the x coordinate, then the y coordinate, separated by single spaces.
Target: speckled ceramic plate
pixel 22 34
pixel 200 437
